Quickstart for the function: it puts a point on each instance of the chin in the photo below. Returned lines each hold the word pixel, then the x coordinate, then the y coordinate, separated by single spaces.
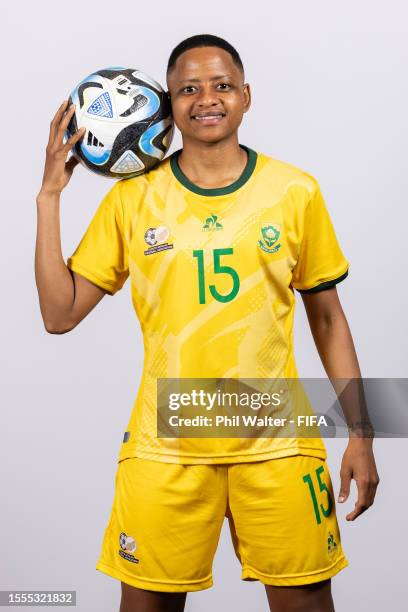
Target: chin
pixel 210 138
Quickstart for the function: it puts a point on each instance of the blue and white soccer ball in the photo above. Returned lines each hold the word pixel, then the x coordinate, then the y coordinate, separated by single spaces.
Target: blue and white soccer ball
pixel 150 236
pixel 127 116
pixel 122 541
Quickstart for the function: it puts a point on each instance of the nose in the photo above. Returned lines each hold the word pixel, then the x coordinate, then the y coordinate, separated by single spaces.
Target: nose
pixel 207 96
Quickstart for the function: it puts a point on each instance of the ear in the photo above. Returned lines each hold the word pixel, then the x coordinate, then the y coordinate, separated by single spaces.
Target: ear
pixel 247 96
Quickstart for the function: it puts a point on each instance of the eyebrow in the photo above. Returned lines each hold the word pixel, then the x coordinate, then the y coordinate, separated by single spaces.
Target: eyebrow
pixel 216 78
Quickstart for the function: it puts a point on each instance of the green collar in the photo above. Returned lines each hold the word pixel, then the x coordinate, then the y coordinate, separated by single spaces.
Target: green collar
pixel 245 176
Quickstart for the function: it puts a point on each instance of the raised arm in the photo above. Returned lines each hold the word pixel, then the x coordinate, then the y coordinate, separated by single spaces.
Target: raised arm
pixel 65 297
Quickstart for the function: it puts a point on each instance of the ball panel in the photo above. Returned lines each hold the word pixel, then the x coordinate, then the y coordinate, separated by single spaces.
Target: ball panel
pixel 128 163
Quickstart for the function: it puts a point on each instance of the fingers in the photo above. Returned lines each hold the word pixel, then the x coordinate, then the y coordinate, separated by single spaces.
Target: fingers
pixel 56 121
pixel 366 494
pixel 74 139
pixel 59 138
pixel 359 508
pixel 345 480
pixel 71 163
pixel 59 126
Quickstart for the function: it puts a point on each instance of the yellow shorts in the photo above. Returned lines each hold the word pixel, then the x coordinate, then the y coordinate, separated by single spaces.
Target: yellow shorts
pixel 166 520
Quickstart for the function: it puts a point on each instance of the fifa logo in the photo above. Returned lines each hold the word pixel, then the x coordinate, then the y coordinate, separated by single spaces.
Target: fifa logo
pixel 156 238
pixel 127 547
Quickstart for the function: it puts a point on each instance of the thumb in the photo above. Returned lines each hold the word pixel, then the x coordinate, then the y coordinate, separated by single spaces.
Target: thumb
pixel 345 480
pixel 71 163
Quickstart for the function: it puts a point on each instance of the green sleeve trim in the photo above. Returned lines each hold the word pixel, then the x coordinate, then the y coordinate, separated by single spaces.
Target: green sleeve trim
pixel 325 285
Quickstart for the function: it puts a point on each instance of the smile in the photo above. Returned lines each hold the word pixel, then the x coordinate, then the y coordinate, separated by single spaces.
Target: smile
pixel 209 119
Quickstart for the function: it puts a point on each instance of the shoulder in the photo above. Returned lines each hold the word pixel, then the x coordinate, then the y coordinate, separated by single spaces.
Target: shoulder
pixel 286 175
pixel 131 196
pixel 142 182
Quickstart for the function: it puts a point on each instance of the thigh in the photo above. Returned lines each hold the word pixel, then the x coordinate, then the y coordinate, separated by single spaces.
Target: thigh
pixel 283 521
pixel 150 601
pixel 315 597
pixel 164 525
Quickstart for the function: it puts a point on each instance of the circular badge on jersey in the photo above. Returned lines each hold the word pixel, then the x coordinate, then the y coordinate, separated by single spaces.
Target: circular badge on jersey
pixel 156 235
pixel 127 542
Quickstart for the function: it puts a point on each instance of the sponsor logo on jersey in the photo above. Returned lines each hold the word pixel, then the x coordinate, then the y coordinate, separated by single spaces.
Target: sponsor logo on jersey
pixel 211 223
pixel 270 233
pixel 157 237
pixel 331 543
pixel 127 547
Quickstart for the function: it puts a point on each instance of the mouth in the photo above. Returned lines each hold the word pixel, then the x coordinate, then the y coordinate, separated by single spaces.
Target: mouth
pixel 209 118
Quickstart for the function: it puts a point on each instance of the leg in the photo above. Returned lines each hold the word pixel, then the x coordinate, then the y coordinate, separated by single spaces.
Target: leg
pixel 308 598
pixel 139 600
pixel 285 532
pixel 163 532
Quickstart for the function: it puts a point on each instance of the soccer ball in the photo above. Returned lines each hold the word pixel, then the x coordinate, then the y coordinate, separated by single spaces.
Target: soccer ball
pixel 150 236
pixel 127 116
pixel 122 541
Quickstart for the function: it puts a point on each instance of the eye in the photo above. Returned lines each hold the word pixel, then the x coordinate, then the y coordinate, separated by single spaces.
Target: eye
pixel 188 89
pixel 224 86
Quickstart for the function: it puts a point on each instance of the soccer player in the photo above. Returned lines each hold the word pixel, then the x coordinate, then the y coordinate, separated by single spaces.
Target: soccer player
pixel 215 240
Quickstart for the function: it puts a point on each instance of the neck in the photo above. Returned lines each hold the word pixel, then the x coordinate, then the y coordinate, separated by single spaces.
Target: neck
pixel 212 165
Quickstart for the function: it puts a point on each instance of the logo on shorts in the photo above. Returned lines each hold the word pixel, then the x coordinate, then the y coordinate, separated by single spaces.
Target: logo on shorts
pixel 127 547
pixel 157 237
pixel 331 543
pixel 270 233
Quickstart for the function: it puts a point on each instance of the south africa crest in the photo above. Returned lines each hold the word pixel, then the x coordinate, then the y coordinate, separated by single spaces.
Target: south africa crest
pixel 270 233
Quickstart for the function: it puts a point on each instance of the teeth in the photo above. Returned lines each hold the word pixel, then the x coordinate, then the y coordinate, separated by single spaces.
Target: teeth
pixel 207 116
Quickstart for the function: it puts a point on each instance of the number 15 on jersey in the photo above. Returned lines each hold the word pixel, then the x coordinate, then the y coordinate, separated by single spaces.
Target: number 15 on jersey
pixel 218 269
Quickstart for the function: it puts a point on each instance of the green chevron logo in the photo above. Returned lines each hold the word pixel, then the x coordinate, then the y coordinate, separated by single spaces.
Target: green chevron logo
pixel 211 223
pixel 331 543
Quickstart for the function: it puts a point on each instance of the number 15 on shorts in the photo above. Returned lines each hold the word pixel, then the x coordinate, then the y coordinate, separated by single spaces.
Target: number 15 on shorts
pixel 319 508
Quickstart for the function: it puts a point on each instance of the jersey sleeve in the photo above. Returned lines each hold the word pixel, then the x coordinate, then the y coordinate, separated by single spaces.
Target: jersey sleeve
pixel 102 254
pixel 321 263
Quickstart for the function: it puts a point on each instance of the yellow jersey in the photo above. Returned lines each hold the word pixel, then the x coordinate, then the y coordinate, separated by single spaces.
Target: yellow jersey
pixel 213 273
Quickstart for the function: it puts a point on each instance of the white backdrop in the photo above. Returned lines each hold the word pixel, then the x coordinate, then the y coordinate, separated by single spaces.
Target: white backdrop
pixel 329 85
